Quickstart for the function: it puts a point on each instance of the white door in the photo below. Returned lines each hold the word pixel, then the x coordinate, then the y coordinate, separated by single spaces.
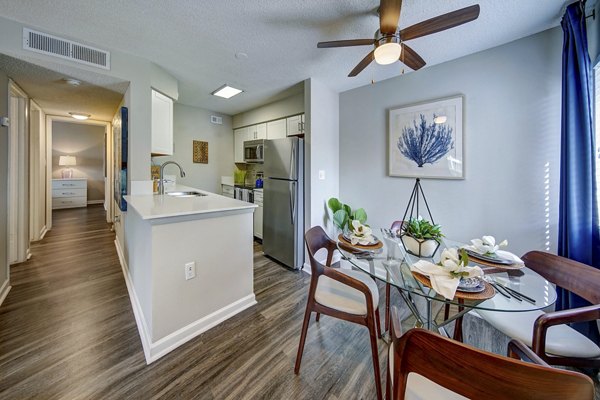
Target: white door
pixel 13 151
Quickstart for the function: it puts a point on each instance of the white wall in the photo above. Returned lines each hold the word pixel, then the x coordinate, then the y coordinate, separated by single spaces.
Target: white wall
pixel 192 123
pixel 512 139
pixel 86 143
pixel 321 151
pixel 286 107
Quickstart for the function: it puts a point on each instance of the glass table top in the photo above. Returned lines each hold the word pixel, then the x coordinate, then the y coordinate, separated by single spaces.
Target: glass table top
pixel 392 263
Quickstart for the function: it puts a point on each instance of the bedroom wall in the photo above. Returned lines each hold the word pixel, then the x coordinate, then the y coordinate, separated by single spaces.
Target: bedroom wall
pixel 512 137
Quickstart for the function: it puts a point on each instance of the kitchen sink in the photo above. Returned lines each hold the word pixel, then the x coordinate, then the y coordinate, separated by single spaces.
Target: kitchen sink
pixel 186 194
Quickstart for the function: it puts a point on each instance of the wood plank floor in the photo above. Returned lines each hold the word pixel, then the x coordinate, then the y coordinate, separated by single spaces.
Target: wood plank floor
pixel 67 331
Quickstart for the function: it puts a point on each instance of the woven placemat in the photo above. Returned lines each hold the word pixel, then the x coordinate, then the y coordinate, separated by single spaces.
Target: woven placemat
pixel 370 247
pixel 487 293
pixel 478 260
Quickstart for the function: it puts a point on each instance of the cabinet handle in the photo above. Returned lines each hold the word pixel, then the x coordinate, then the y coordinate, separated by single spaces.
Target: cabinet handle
pixel 299 128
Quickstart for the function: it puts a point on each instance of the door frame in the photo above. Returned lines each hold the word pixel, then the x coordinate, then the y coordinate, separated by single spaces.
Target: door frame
pixel 37 167
pixel 108 164
pixel 18 175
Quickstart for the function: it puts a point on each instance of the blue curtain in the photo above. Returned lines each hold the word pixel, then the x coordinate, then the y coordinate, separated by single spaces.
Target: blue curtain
pixel 579 235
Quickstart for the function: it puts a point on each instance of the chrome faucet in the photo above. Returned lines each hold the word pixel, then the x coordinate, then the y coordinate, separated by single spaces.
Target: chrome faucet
pixel 161 183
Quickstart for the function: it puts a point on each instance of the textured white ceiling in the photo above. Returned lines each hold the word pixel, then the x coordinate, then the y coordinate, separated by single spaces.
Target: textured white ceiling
pixel 196 41
pixel 98 95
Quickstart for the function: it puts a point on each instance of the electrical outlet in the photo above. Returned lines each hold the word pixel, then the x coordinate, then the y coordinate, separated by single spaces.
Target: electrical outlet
pixel 190 270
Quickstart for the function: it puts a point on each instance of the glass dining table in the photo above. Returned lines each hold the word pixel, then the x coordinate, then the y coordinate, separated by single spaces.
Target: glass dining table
pixel 391 264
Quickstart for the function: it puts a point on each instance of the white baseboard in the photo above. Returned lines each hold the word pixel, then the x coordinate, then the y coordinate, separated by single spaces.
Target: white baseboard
pixel 4 290
pixel 43 232
pixel 95 202
pixel 135 304
pixel 155 350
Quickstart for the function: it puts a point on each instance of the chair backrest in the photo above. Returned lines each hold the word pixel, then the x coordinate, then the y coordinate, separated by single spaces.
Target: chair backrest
pixel 397 225
pixel 316 239
pixel 477 374
pixel 574 276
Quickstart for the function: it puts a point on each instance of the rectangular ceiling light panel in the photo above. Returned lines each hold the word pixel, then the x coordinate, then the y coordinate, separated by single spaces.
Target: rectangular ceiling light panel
pixel 226 91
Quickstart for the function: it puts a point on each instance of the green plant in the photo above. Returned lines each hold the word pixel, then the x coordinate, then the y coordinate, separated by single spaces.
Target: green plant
pixel 343 215
pixel 423 229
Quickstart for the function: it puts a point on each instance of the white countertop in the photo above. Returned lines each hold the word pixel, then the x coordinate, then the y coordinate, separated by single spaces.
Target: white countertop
pixel 164 206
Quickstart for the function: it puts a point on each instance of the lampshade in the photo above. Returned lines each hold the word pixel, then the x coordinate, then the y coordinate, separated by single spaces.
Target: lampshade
pixel 387 53
pixel 67 160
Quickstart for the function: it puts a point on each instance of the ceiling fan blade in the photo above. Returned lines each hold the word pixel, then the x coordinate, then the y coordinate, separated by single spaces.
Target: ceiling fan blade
pixel 440 23
pixel 410 58
pixel 362 64
pixel 389 14
pixel 346 43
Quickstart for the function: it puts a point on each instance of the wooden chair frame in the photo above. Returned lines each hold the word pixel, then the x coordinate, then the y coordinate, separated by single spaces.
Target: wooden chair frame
pixel 476 374
pixel 577 278
pixel 317 239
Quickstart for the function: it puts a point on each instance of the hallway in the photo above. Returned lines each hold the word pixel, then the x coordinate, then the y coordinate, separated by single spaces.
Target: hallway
pixel 68 304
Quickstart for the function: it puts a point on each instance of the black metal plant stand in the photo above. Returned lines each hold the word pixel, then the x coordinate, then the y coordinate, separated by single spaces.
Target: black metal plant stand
pixel 413 204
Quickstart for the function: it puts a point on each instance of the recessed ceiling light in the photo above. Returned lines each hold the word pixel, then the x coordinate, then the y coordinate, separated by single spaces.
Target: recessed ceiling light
pixel 72 82
pixel 226 91
pixel 80 116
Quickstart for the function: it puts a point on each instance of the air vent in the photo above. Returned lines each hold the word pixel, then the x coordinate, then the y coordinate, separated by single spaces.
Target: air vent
pixel 66 49
pixel 216 120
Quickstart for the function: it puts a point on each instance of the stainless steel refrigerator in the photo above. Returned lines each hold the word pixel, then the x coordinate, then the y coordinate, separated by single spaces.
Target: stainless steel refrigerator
pixel 283 218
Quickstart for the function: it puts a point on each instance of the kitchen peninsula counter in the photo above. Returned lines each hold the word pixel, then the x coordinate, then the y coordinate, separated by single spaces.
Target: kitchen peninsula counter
pixel 188 264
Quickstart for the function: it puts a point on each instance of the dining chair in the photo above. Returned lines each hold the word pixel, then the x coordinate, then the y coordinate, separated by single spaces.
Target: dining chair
pixel 425 365
pixel 340 293
pixel 548 334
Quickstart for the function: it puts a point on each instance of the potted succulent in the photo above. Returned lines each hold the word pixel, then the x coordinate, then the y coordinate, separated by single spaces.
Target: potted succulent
pixel 343 215
pixel 421 238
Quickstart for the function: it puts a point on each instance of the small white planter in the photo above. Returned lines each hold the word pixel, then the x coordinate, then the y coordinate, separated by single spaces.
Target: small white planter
pixel 427 248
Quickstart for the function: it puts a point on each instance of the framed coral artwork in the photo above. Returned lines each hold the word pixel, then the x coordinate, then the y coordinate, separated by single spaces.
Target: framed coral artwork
pixel 426 140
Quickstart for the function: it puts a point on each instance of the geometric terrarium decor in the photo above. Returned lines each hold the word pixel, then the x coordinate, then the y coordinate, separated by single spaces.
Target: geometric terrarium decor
pixel 426 140
pixel 420 237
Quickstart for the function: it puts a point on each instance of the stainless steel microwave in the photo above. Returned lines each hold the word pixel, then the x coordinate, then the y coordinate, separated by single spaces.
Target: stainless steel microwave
pixel 254 151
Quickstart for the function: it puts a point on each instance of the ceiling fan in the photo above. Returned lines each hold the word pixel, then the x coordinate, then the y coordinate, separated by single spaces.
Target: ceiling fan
pixel 389 39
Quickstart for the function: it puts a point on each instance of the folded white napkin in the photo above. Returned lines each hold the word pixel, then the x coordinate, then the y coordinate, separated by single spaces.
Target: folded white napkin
pixel 442 281
pixel 509 256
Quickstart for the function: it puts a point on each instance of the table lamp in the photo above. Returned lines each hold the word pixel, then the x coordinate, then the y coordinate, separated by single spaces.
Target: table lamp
pixel 67 161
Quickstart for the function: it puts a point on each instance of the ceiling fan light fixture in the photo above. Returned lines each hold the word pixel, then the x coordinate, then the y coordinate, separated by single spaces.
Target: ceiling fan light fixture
pixel 387 50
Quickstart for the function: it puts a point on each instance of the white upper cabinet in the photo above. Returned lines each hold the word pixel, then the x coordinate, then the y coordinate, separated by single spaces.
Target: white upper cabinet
pixel 257 132
pixel 239 137
pixel 162 124
pixel 277 129
pixel 295 125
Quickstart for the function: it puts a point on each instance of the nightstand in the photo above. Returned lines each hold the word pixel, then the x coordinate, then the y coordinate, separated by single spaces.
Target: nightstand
pixel 69 193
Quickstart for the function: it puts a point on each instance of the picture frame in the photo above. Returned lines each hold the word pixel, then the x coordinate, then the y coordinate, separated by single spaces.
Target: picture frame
pixel 426 140
pixel 200 152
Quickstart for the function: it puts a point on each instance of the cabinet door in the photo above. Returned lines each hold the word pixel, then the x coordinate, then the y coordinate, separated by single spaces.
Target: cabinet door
pixel 277 129
pixel 302 123
pixel 261 131
pixel 239 137
pixel 294 125
pixel 258 222
pixel 162 124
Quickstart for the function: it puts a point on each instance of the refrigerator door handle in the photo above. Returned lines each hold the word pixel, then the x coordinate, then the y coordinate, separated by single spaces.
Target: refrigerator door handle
pixel 293 201
pixel 293 161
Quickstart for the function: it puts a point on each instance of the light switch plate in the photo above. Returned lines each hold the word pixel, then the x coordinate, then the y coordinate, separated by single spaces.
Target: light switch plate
pixel 190 270
pixel 321 174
